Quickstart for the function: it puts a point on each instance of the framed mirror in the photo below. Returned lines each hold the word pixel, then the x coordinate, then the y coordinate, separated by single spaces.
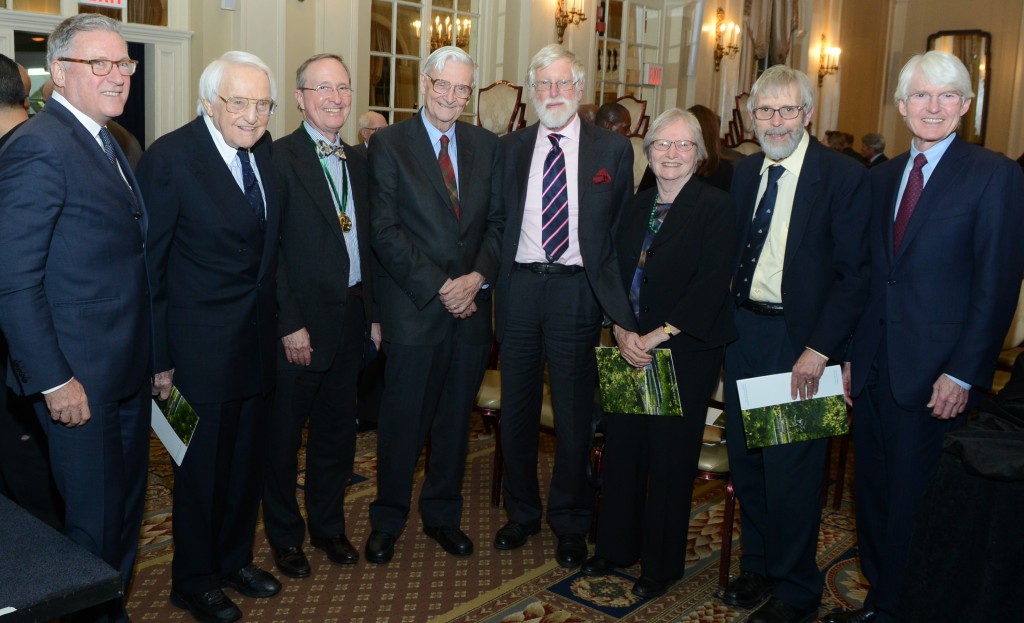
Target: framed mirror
pixel 973 47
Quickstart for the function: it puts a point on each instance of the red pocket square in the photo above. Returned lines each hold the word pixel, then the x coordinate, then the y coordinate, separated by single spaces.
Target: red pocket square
pixel 602 177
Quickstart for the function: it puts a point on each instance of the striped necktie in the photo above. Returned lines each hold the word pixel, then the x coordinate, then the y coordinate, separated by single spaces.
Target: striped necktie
pixel 448 173
pixel 555 217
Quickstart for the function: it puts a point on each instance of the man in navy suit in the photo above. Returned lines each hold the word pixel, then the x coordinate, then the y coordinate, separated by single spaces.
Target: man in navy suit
pixel 799 285
pixel 74 302
pixel 437 219
pixel 559 278
pixel 212 251
pixel 946 263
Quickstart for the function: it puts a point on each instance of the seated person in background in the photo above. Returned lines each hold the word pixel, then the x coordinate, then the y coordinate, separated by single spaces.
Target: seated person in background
pixel 680 298
pixel 588 113
pixel 614 117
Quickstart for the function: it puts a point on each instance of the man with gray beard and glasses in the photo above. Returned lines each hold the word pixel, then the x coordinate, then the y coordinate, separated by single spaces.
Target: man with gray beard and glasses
pixel 800 283
pixel 559 277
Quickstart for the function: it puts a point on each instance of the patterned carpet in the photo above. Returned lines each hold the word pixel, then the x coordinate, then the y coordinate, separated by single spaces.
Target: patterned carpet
pixel 423 583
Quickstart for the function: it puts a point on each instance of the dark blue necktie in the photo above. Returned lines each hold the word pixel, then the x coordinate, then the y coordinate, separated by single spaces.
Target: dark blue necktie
pixel 759 228
pixel 252 187
pixel 555 217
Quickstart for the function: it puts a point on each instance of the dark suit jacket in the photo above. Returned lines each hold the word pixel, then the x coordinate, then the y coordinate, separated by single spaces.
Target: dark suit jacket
pixel 212 271
pixel 360 148
pixel 877 161
pixel 688 267
pixel 419 242
pixel 825 269
pixel 945 300
pixel 73 292
pixel 313 263
pixel 600 205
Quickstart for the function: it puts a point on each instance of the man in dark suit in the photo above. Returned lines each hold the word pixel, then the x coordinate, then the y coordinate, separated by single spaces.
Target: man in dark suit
pixel 799 285
pixel 437 219
pixel 212 253
pixel 558 274
pixel 369 122
pixel 325 295
pixel 74 303
pixel 946 264
pixel 872 147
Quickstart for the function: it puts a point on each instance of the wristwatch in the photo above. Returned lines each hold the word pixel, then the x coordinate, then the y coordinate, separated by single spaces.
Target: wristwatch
pixel 668 330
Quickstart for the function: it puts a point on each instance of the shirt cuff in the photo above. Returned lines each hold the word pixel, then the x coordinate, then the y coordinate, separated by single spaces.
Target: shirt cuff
pixel 53 389
pixel 966 386
pixel 816 353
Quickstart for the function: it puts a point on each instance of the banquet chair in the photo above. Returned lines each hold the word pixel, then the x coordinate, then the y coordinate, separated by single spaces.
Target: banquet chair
pixel 500 107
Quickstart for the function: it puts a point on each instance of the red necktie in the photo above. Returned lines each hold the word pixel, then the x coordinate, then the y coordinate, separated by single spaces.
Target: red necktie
pixel 915 184
pixel 448 173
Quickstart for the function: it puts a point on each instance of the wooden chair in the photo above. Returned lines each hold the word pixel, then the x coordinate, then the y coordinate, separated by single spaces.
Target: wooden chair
pixel 500 107
pixel 637 114
pixel 639 160
pixel 737 126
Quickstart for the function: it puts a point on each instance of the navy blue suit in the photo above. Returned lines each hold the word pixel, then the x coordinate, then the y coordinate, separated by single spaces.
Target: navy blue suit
pixel 824 285
pixel 213 274
pixel 941 304
pixel 74 301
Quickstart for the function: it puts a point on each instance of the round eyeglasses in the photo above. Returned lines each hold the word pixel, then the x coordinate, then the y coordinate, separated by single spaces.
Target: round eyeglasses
pixel 441 87
pixel 240 104
pixel 103 66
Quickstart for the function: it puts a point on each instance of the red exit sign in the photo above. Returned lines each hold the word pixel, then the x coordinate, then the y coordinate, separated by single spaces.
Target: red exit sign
pixel 652 74
pixel 113 4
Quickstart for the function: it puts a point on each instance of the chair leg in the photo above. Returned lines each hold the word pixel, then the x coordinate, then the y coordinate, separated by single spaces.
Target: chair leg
pixel 726 556
pixel 844 448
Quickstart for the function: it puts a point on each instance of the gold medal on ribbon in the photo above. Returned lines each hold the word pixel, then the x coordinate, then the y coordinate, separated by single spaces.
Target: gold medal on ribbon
pixel 346 222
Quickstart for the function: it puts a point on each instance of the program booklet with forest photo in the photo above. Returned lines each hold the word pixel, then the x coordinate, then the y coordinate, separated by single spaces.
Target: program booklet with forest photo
pixel 649 391
pixel 771 417
pixel 174 421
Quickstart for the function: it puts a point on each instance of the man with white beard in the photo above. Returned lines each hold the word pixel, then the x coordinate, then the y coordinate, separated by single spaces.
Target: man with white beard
pixel 559 278
pixel 800 284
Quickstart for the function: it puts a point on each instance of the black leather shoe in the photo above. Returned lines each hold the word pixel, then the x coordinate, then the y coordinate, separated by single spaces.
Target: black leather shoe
pixel 775 611
pixel 453 540
pixel 338 549
pixel 213 606
pixel 513 535
pixel 252 581
pixel 380 547
pixel 856 616
pixel 291 561
pixel 597 566
pixel 747 590
pixel 571 550
pixel 646 587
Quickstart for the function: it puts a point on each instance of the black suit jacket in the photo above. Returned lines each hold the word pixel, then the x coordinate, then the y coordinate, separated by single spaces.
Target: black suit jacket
pixel 877 161
pixel 313 263
pixel 826 265
pixel 212 271
pixel 73 292
pixel 600 200
pixel 688 267
pixel 945 300
pixel 420 243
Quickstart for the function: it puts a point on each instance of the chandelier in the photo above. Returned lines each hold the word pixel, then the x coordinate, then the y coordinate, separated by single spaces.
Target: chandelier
pixel 441 33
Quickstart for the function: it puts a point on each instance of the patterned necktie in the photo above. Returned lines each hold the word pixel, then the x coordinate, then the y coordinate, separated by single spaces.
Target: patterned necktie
pixel 108 147
pixel 915 184
pixel 757 235
pixel 252 188
pixel 325 149
pixel 448 173
pixel 555 217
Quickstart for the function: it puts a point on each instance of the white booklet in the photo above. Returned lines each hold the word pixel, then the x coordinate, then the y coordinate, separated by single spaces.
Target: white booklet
pixel 174 421
pixel 772 417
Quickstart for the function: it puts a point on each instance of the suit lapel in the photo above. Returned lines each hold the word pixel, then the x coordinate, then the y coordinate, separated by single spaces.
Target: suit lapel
pixel 680 215
pixel 423 152
pixel 746 200
pixel 940 184
pixel 306 166
pixel 891 192
pixel 466 156
pixel 807 188
pixel 268 176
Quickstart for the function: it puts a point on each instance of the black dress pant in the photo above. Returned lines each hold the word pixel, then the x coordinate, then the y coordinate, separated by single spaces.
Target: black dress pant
pixel 650 465
pixel 779 487
pixel 428 391
pixel 553 318
pixel 327 399
pixel 217 493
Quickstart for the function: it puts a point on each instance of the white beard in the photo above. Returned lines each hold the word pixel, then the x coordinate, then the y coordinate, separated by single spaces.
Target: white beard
pixel 779 152
pixel 558 118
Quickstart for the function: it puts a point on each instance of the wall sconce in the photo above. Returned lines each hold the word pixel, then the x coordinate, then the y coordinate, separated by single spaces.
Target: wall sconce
pixel 575 15
pixel 727 38
pixel 441 33
pixel 829 63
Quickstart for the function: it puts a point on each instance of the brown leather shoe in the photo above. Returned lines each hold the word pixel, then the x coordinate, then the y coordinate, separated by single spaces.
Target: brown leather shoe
pixel 338 549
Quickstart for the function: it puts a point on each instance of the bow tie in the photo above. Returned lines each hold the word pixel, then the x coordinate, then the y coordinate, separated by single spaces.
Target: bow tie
pixel 325 149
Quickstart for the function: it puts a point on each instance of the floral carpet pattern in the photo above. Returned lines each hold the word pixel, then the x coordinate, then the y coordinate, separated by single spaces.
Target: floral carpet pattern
pixel 423 583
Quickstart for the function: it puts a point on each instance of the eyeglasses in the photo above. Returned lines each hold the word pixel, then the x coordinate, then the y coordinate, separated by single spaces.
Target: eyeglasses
pixel 441 87
pixel 764 113
pixel 103 66
pixel 923 98
pixel 545 85
pixel 682 146
pixel 240 104
pixel 372 130
pixel 326 90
